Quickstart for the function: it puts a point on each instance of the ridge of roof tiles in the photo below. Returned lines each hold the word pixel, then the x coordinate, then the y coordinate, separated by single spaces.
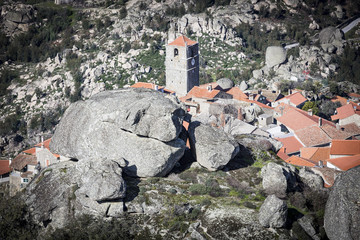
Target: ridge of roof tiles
pixel 345 163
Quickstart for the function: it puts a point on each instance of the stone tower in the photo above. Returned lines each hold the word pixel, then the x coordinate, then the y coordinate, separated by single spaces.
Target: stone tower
pixel 182 65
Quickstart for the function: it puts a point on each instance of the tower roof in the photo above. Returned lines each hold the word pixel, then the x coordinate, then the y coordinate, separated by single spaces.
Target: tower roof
pixel 182 41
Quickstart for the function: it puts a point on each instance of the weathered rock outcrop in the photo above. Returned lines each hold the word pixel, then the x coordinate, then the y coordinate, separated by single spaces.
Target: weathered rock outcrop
pixel 225 83
pixel 342 213
pixel 16 18
pixel 277 179
pixel 273 212
pixel 274 56
pixel 211 147
pixel 330 35
pixel 69 189
pixel 138 125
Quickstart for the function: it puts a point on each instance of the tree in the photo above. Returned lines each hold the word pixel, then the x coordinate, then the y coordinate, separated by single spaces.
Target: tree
pixel 311 105
pixel 327 108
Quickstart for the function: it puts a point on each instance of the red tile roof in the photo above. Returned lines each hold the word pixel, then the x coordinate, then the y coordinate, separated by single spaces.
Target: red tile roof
pixel 237 94
pixel 345 163
pixel 46 145
pixel 352 129
pixel 312 136
pixel 291 144
pixel 345 147
pixel 334 133
pixel 299 161
pixel 315 153
pixel 281 154
pixel 295 98
pixel 342 100
pixel 202 93
pixel 295 120
pixel 151 86
pixel 4 167
pixel 21 160
pixel 355 95
pixel 182 41
pixel 346 111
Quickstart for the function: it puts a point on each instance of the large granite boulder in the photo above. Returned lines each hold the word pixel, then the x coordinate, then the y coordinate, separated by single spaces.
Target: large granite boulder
pixel 277 179
pixel 275 55
pixel 70 189
pixel 330 35
pixel 141 126
pixel 342 212
pixel 211 147
pixel 273 212
pixel 225 83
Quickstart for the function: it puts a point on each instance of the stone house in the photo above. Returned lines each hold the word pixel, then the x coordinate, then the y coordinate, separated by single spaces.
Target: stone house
pixel 295 100
pixel 4 171
pixel 349 113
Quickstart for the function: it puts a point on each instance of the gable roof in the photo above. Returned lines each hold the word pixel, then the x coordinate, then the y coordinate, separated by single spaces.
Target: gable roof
pixel 345 163
pixel 295 98
pixel 281 154
pixel 4 167
pixel 352 129
pixel 291 144
pixel 315 153
pixel 345 147
pixel 345 111
pixel 182 41
pixel 21 160
pixel 46 145
pixel 355 95
pixel 237 94
pixel 299 161
pixel 202 93
pixel 312 136
pixel 151 86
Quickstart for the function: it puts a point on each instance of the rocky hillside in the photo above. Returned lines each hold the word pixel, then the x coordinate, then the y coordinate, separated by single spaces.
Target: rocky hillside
pixel 53 54
pixel 152 187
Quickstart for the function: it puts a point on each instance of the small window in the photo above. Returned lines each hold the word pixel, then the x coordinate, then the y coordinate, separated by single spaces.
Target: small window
pixel 176 52
pixel 25 180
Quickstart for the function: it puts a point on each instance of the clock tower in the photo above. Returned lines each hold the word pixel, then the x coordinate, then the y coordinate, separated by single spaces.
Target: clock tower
pixel 182 65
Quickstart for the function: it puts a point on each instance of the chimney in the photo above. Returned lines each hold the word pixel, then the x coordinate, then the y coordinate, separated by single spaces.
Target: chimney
pixel 42 142
pixel 310 112
pixel 337 126
pixel 284 150
pixel 320 121
pixel 348 101
pixel 321 164
pixel 240 116
pixel 251 96
pixel 209 88
pixel 10 160
pixel 156 87
pixel 289 91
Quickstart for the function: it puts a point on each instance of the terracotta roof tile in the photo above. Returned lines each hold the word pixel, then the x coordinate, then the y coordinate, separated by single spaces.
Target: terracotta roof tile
pixel 151 86
pixel 202 93
pixel 4 167
pixel 345 163
pixel 294 120
pixel 302 162
pixel 291 144
pixel 281 154
pixel 352 129
pixel 46 145
pixel 308 152
pixel 346 111
pixel 345 147
pixel 31 151
pixel 312 136
pixel 321 154
pixel 334 133
pixel 182 41
pixel 342 100
pixel 21 160
pixel 355 95
pixel 237 94
pixel 296 98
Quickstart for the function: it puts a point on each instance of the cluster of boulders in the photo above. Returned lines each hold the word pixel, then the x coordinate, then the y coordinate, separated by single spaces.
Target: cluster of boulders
pixel 17 18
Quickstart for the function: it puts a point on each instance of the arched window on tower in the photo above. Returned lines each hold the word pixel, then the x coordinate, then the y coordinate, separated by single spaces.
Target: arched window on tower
pixel 176 52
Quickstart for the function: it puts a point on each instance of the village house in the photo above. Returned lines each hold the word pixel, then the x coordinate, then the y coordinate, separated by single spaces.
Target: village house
pixel 295 100
pixel 28 163
pixel 349 113
pixel 4 171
